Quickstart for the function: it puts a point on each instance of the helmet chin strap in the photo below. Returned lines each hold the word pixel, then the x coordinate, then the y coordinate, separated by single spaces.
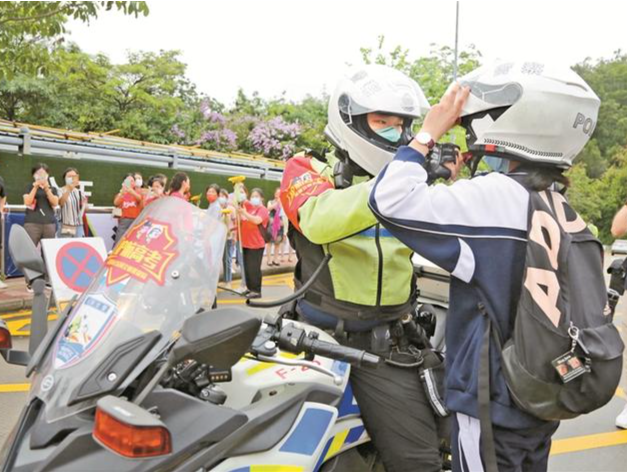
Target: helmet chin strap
pixel 473 163
pixel 345 170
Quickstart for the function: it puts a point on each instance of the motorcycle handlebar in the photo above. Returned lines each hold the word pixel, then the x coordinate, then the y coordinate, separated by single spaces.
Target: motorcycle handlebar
pixel 341 353
pixel 291 338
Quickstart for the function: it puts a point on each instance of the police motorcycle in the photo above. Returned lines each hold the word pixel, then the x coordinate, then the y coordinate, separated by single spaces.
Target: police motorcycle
pixel 138 374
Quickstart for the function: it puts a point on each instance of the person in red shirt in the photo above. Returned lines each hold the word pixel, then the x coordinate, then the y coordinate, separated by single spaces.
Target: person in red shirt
pixel 129 202
pixel 156 188
pixel 254 219
pixel 180 187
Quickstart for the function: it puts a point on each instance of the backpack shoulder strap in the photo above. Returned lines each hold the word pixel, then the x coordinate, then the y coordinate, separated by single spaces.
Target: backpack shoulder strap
pixel 488 450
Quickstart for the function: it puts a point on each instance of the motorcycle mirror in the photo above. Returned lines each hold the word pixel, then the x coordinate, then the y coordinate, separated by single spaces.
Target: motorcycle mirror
pixel 218 338
pixel 24 254
pixel 30 262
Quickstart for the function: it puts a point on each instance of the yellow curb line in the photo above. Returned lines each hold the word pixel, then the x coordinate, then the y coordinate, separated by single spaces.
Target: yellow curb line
pixel 592 441
pixel 9 388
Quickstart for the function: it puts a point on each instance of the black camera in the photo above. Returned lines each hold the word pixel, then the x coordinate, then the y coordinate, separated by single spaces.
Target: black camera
pixel 441 154
pixel 618 275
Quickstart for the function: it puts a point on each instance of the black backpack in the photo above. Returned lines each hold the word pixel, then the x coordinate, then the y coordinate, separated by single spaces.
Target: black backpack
pixel 266 231
pixel 564 357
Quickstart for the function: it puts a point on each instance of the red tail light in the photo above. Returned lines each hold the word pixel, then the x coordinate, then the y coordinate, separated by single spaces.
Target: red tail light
pixel 5 338
pixel 131 441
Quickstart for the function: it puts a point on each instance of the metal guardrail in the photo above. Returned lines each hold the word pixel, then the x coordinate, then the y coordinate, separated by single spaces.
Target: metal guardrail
pixel 33 140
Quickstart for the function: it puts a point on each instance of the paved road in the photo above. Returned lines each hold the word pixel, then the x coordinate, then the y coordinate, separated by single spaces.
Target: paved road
pixel 588 444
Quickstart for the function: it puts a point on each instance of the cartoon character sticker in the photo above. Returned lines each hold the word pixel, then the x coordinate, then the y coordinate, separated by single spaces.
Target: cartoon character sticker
pixel 144 254
pixel 89 324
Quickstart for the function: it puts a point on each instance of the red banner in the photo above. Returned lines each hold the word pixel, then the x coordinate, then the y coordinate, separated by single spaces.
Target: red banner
pixel 300 182
pixel 145 253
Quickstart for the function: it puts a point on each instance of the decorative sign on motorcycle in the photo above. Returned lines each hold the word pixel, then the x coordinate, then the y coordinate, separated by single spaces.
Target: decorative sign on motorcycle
pixel 91 321
pixel 144 254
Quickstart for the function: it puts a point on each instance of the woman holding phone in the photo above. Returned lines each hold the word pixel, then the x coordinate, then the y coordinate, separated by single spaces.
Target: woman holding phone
pixel 40 200
pixel 128 203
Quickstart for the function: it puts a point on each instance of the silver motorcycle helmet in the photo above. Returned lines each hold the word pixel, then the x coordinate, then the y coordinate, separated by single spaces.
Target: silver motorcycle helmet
pixel 372 89
pixel 528 112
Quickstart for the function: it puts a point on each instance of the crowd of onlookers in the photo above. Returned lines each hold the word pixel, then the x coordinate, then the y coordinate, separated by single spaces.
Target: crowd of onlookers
pixel 253 228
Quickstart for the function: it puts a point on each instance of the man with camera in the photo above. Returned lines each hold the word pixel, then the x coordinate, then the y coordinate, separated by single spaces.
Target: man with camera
pixel 619 229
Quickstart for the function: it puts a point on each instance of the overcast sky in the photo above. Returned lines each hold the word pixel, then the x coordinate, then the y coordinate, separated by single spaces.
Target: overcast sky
pixel 301 46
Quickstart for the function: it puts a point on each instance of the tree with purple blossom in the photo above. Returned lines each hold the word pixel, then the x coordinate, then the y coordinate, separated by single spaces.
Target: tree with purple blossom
pixel 206 127
pixel 274 137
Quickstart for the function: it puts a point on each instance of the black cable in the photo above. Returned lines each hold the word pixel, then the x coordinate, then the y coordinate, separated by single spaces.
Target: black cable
pixel 298 293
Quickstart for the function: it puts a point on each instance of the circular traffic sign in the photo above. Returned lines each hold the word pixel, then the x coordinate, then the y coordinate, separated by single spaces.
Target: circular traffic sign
pixel 77 264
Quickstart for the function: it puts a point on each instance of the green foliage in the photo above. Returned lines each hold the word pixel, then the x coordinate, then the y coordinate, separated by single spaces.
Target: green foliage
pixel 107 176
pixel 140 98
pixel 45 81
pixel 598 199
pixel 434 72
pixel 582 194
pixel 604 158
pixel 310 113
pixel 608 78
pixel 29 30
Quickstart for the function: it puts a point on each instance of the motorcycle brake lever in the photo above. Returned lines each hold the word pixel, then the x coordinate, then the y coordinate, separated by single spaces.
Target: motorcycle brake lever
pixel 337 379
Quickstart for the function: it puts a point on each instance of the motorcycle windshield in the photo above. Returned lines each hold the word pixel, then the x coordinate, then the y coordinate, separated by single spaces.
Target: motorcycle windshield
pixel 163 271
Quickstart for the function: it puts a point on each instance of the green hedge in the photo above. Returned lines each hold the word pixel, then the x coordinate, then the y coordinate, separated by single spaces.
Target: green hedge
pixel 107 177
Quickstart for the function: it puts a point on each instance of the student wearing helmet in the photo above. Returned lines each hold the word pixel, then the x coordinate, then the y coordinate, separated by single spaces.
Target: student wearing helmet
pixel 368 285
pixel 530 120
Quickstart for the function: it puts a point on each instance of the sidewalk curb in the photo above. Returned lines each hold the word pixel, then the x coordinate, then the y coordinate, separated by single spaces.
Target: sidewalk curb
pixel 15 305
pixel 7 306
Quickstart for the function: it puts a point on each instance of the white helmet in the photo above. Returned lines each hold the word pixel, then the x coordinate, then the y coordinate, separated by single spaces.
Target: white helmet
pixel 528 111
pixel 369 89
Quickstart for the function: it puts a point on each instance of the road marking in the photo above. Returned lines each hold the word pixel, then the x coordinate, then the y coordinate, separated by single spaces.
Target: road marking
pixel 621 393
pixel 23 313
pixel 10 388
pixel 231 302
pixel 16 327
pixel 17 314
pixel 285 279
pixel 592 441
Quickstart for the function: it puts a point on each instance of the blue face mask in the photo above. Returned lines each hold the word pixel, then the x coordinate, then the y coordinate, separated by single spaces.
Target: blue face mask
pixel 390 133
pixel 256 201
pixel 497 164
